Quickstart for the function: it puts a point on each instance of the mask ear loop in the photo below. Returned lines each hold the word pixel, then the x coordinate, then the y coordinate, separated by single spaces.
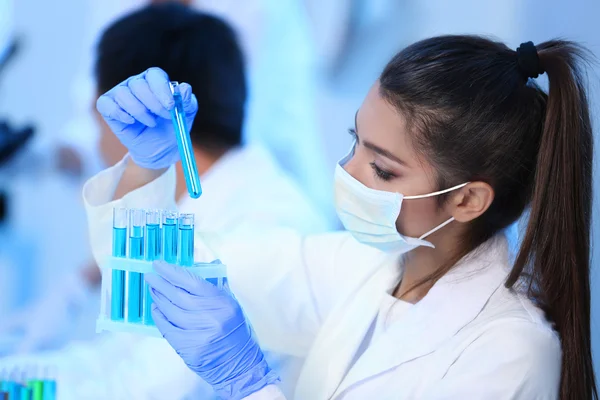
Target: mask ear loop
pixel 423 196
pixel 437 228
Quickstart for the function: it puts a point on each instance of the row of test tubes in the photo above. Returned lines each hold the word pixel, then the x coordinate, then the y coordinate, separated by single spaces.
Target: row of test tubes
pixel 27 384
pixel 147 235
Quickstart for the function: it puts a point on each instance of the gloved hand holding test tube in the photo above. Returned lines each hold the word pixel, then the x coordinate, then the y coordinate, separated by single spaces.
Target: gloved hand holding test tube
pixel 143 105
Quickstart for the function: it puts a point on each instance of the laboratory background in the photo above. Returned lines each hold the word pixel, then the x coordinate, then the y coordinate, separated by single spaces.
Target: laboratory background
pixel 310 63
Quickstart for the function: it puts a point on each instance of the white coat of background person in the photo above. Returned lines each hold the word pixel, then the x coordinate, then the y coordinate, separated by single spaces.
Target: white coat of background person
pixel 281 58
pixel 450 317
pixel 287 130
pixel 124 366
pixel 243 190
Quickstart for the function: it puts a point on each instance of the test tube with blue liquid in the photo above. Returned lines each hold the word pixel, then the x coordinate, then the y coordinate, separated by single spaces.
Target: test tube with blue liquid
pixel 35 385
pixel 137 224
pixel 169 237
pixel 49 380
pixel 153 232
pixel 119 249
pixel 184 143
pixel 186 240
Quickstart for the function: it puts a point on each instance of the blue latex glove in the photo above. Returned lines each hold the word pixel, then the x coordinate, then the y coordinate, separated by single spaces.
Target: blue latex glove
pixel 138 112
pixel 207 328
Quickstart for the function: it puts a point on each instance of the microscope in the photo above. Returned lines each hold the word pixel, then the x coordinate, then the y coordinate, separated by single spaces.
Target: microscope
pixel 12 139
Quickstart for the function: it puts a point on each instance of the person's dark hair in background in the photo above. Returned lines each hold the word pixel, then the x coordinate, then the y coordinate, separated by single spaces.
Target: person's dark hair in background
pixel 191 47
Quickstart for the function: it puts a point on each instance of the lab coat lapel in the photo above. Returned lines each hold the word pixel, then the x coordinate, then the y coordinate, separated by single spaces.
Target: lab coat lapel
pixel 451 304
pixel 343 333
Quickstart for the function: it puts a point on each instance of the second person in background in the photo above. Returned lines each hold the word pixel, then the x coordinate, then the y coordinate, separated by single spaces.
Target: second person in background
pixel 244 188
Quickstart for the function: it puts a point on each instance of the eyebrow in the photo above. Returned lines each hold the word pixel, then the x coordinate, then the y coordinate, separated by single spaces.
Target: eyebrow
pixel 374 148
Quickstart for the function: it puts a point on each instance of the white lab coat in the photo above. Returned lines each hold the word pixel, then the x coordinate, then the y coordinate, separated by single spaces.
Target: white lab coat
pixel 469 338
pixel 244 191
pixel 316 298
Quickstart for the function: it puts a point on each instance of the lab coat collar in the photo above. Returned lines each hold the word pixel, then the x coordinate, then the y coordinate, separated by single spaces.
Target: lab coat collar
pixel 453 302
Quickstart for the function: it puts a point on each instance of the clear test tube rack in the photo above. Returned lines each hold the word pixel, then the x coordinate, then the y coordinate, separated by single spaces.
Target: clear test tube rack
pixel 123 267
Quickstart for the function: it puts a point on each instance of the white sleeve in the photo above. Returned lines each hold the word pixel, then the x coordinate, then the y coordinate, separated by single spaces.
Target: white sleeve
pixel 287 283
pixel 98 193
pixel 517 362
pixel 271 392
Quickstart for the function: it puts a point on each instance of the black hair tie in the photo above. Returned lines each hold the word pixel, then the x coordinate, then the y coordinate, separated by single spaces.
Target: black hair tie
pixel 528 60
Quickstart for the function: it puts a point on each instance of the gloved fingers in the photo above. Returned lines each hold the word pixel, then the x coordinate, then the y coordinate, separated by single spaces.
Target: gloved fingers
pixel 177 316
pixel 199 315
pixel 141 90
pixel 169 293
pixel 184 279
pixel 158 81
pixel 190 103
pixel 161 321
pixel 132 106
pixel 111 111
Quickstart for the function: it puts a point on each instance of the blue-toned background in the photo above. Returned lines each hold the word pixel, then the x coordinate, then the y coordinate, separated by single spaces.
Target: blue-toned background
pixel 346 43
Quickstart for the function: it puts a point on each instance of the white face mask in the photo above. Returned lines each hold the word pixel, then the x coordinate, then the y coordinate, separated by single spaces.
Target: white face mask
pixel 370 215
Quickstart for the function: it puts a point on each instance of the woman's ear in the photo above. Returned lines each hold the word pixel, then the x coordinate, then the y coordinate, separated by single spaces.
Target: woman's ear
pixel 471 201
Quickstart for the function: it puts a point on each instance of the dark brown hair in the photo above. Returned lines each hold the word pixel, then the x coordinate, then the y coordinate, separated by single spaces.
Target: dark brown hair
pixel 477 117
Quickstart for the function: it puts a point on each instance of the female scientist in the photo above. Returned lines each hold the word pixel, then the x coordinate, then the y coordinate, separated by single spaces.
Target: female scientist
pixel 417 300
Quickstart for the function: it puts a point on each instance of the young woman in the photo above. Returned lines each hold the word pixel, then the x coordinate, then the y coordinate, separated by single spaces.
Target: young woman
pixel 417 300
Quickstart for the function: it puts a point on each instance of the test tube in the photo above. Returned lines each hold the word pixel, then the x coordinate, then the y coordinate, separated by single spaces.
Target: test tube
pixel 137 224
pixel 184 143
pixel 152 235
pixel 14 387
pixel 36 386
pixel 119 249
pixel 49 384
pixel 169 242
pixel 152 253
pixel 13 390
pixel 186 240
pixel 3 383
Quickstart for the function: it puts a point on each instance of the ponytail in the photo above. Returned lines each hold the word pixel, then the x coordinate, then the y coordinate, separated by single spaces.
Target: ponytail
pixel 556 246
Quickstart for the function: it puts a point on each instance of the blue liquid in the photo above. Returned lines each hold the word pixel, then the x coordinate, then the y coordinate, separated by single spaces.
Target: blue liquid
pixel 186 245
pixel 186 152
pixel 160 240
pixel 147 306
pixel 152 242
pixel 152 253
pixel 26 394
pixel 13 390
pixel 134 302
pixel 117 295
pixel 49 390
pixel 170 241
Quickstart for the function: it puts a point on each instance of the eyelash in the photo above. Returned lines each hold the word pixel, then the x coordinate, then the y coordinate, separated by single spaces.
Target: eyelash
pixel 352 133
pixel 381 174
